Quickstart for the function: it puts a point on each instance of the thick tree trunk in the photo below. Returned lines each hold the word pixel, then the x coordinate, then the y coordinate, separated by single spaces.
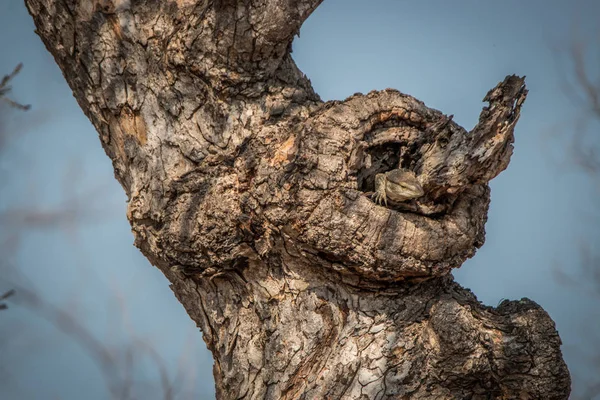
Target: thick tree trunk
pixel 251 195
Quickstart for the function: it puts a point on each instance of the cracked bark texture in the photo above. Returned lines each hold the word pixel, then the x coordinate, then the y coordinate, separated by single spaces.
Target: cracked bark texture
pixel 251 195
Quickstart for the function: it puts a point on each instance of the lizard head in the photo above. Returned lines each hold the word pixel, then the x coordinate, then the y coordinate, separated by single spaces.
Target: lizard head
pixel 403 185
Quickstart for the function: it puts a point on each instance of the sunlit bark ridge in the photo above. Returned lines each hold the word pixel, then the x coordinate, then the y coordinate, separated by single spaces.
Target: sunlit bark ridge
pixel 251 195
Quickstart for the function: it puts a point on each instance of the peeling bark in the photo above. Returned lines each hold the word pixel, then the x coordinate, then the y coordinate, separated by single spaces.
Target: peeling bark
pixel 251 195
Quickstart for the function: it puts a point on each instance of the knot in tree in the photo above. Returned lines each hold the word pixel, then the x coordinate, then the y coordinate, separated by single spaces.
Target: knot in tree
pixel 312 242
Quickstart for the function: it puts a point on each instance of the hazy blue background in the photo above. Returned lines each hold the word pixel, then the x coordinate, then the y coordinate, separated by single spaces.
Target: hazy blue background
pixel 446 53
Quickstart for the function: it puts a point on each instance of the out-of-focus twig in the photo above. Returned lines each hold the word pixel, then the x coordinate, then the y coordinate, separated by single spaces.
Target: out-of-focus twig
pixel 118 365
pixel 579 83
pixel 69 325
pixel 5 89
pixel 5 296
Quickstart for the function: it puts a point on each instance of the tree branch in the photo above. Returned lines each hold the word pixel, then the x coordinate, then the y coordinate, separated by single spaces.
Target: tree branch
pixel 252 196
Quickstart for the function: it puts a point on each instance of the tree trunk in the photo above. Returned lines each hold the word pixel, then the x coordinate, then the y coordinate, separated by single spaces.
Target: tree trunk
pixel 252 196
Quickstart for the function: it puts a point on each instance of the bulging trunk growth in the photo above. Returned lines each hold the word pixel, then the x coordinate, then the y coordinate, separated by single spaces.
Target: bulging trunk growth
pixel 253 197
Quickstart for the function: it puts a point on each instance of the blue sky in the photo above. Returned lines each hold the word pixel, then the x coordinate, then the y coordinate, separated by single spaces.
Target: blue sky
pixel 446 53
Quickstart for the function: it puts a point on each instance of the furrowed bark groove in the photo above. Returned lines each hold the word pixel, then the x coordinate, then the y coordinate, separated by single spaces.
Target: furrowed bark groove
pixel 251 195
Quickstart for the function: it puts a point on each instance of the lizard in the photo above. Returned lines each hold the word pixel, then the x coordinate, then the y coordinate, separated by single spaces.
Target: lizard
pixel 397 185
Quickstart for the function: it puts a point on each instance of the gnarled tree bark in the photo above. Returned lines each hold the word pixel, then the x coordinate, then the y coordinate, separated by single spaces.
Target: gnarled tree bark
pixel 250 194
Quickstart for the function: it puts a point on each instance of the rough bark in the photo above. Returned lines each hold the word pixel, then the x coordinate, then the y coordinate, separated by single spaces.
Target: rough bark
pixel 250 194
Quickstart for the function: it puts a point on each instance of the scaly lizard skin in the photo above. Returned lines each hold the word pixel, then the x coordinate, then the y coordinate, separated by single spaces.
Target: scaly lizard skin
pixel 397 185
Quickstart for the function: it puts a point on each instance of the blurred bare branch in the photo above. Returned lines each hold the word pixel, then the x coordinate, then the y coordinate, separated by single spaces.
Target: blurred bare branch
pixel 590 91
pixel 65 322
pixel 117 364
pixel 582 86
pixel 587 279
pixel 5 89
pixel 118 375
pixel 580 79
pixel 5 296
